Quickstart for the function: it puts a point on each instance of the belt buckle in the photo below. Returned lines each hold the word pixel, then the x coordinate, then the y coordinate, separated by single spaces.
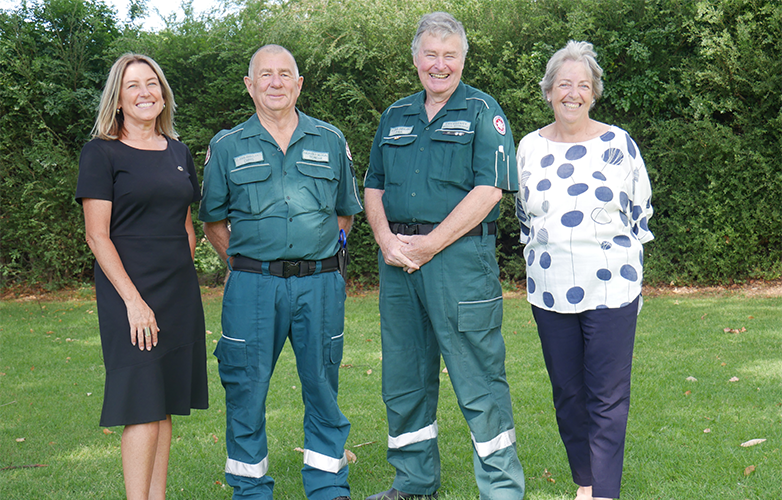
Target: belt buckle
pixel 290 269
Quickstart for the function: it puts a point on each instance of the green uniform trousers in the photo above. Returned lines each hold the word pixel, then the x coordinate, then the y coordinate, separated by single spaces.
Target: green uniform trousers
pixel 451 306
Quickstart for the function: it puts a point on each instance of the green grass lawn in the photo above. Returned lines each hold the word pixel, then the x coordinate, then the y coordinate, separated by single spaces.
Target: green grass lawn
pixel 683 442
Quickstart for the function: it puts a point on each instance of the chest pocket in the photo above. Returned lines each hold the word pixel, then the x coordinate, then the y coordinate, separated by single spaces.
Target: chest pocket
pixel 397 157
pixel 255 191
pixel 318 189
pixel 452 157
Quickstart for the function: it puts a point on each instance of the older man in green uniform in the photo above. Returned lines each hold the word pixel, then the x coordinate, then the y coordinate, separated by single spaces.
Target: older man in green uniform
pixel 285 183
pixel 438 166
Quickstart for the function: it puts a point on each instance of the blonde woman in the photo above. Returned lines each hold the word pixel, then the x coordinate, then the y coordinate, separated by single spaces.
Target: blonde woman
pixel 136 184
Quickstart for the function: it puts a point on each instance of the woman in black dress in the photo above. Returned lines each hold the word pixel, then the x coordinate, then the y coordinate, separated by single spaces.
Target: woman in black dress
pixel 136 184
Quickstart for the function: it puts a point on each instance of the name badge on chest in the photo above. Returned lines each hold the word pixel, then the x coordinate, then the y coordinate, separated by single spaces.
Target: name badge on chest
pixel 321 156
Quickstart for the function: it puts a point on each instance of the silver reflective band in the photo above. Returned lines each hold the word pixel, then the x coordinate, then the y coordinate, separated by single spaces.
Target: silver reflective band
pixel 428 432
pixel 247 470
pixel 501 442
pixel 324 462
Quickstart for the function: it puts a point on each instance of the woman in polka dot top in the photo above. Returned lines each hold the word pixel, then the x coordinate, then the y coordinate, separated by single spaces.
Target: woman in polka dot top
pixel 584 205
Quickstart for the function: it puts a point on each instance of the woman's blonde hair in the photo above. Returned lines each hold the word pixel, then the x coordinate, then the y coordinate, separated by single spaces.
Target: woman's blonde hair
pixel 109 122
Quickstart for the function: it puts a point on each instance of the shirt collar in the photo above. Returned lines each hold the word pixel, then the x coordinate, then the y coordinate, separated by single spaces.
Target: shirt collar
pixel 253 127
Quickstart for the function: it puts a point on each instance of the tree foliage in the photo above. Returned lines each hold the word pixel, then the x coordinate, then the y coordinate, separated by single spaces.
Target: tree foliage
pixel 695 83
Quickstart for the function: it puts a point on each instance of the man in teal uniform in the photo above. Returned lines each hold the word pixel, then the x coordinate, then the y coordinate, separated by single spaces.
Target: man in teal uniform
pixel 438 166
pixel 285 184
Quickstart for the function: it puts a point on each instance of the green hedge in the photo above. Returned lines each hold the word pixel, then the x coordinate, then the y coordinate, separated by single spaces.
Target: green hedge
pixel 697 84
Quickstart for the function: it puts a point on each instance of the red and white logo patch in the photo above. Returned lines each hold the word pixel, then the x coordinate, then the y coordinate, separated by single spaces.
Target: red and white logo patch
pixel 347 151
pixel 208 154
pixel 499 124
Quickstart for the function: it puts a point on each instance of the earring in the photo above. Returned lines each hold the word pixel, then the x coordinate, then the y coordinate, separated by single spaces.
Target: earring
pixel 118 110
pixel 164 105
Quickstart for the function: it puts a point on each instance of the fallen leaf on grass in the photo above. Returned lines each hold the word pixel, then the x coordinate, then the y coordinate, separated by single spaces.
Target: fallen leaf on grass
pixel 352 458
pixel 706 431
pixel 20 440
pixel 108 431
pixel 369 372
pixel 346 366
pixel 734 330
pixel 300 450
pixel 445 370
pixel 218 483
pixel 691 379
pixel 687 393
pixel 733 379
pixel 363 444
pixel 751 442
pixel 208 332
pixel 749 470
pixel 214 438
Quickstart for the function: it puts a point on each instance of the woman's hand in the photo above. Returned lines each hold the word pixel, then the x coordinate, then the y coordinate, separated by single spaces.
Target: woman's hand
pixel 143 325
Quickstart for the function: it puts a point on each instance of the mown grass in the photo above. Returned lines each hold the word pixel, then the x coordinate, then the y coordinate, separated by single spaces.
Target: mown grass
pixel 51 389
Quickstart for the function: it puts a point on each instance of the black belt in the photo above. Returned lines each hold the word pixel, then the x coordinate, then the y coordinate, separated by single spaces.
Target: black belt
pixel 412 229
pixel 284 268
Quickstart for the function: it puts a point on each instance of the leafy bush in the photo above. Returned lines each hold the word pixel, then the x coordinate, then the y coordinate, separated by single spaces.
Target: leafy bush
pixel 695 83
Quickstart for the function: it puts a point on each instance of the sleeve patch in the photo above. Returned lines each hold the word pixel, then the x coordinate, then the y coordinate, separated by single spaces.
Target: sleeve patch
pixel 347 151
pixel 208 154
pixel 499 124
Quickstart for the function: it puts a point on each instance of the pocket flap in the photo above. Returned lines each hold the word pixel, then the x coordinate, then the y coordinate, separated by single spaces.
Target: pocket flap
pixel 232 352
pixel 455 137
pixel 251 173
pixel 480 315
pixel 315 170
pixel 398 140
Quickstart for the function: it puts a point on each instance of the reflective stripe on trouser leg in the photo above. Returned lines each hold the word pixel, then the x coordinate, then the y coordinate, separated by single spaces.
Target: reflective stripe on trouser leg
pixel 411 369
pixel 465 309
pixel 317 338
pixel 254 314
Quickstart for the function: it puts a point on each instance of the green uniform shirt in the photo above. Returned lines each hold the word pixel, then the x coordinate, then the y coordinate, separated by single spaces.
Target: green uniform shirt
pixel 427 168
pixel 280 206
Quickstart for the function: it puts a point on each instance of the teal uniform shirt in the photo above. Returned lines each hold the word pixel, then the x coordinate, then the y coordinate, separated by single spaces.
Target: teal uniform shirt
pixel 280 206
pixel 427 168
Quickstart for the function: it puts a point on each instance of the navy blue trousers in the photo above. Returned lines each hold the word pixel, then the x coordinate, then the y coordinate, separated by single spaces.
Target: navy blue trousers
pixel 589 357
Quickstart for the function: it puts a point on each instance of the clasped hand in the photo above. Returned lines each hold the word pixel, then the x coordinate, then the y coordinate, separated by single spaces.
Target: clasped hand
pixel 408 252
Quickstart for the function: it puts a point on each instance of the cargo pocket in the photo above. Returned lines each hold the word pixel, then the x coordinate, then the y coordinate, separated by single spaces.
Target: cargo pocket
pixel 321 183
pixel 391 147
pixel 480 315
pixel 333 350
pixel 452 157
pixel 254 194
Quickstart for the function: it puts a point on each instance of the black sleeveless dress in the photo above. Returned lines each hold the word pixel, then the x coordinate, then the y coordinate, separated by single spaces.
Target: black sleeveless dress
pixel 150 192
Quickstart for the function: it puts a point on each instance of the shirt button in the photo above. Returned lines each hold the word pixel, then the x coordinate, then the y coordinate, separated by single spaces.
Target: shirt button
pixel 417 171
pixel 427 128
pixel 415 220
pixel 290 220
pixel 285 173
pixel 287 197
pixel 290 246
pixel 421 149
pixel 413 194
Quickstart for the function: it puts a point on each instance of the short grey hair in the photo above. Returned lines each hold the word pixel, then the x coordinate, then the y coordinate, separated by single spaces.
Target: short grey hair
pixel 441 24
pixel 579 52
pixel 274 49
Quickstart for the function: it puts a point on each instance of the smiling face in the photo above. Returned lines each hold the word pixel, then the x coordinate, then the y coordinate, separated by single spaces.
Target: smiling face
pixel 275 86
pixel 140 96
pixel 571 95
pixel 440 63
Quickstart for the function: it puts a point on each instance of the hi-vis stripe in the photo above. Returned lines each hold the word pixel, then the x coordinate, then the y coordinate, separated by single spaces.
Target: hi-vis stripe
pixel 501 442
pixel 324 462
pixel 247 470
pixel 428 432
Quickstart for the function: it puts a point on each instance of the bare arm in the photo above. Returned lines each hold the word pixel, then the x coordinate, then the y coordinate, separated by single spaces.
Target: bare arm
pixel 219 236
pixel 191 237
pixel 465 216
pixel 97 218
pixel 345 222
pixel 390 244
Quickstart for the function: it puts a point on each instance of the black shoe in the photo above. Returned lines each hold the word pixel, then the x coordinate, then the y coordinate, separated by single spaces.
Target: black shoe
pixel 394 494
pixel 342 498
